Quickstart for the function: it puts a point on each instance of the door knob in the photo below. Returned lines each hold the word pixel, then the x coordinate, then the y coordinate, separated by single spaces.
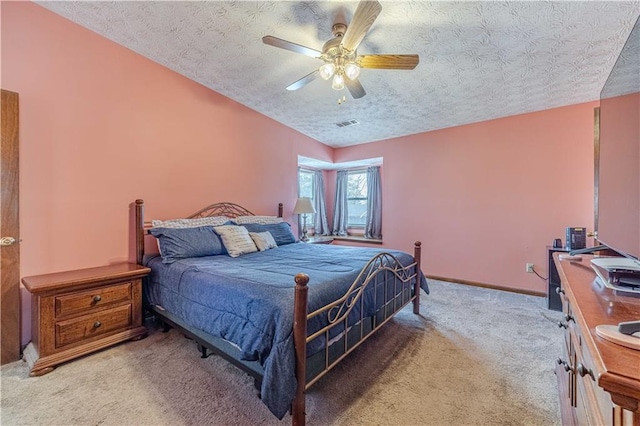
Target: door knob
pixel 7 241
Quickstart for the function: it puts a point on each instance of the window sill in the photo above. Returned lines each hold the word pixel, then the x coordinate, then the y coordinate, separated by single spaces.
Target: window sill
pixel 357 239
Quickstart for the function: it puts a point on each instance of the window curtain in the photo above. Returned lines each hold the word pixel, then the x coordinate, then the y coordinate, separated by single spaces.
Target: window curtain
pixel 374 204
pixel 340 212
pixel 320 225
pixel 299 216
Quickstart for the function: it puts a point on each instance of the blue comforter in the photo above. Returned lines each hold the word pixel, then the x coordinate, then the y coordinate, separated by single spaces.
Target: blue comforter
pixel 248 301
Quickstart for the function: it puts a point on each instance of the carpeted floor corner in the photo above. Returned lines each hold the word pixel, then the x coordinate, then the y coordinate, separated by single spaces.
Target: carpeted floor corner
pixel 473 357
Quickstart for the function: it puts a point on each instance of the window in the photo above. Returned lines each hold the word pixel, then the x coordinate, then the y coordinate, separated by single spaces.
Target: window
pixel 357 198
pixel 305 183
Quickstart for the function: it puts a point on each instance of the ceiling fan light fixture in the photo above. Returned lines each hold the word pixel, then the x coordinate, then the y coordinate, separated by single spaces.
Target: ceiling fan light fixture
pixel 338 82
pixel 327 71
pixel 342 64
pixel 352 71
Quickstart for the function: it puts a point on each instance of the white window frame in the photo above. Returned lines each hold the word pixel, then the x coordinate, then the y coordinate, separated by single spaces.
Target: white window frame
pixel 357 226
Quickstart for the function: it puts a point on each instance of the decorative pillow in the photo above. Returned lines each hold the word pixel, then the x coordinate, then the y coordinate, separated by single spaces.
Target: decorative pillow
pixel 281 232
pixel 264 220
pixel 236 240
pixel 191 223
pixel 264 240
pixel 180 243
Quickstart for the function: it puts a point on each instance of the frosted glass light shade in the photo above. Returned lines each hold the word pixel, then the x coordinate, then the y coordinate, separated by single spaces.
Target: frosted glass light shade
pixel 338 82
pixel 303 205
pixel 352 71
pixel 327 70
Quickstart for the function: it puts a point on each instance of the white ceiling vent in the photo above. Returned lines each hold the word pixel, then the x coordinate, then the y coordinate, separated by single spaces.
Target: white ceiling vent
pixel 348 123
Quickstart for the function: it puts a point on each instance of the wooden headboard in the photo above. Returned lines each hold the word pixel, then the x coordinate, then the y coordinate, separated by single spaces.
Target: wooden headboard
pixel 230 210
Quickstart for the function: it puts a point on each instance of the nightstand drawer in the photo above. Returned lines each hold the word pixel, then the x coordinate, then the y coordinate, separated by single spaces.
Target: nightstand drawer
pixel 88 326
pixel 78 303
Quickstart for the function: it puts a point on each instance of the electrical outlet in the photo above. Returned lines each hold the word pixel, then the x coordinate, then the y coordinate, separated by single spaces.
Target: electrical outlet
pixel 529 268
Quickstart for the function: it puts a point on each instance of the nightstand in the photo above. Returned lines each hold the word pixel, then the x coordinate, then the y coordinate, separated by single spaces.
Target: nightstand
pixel 78 312
pixel 319 240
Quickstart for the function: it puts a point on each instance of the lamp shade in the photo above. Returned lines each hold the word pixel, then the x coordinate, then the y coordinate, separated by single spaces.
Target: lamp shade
pixel 303 206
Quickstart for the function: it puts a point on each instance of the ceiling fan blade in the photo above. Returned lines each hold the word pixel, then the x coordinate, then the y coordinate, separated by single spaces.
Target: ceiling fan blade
pixel 366 12
pixel 304 80
pixel 355 88
pixel 388 62
pixel 284 44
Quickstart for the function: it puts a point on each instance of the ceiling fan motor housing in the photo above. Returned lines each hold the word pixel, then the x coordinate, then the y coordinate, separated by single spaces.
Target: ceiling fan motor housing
pixel 333 51
pixel 339 29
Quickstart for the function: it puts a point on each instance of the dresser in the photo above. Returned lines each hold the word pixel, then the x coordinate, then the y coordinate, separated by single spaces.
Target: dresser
pixel 78 312
pixel 598 380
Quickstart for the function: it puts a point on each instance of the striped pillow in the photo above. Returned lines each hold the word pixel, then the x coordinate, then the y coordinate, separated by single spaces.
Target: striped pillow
pixel 190 223
pixel 263 220
pixel 236 240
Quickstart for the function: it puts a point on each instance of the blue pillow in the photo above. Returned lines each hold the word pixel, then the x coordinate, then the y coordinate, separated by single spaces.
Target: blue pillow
pixel 181 243
pixel 281 231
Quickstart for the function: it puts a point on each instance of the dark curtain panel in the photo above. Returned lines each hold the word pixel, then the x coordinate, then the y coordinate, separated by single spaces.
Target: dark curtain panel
pixel 340 212
pixel 374 204
pixel 321 227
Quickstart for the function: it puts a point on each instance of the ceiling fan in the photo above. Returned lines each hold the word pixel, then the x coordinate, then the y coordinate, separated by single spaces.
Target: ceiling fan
pixel 341 60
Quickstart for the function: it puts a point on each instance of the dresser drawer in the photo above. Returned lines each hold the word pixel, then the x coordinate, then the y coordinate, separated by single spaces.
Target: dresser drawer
pixel 88 326
pixel 84 302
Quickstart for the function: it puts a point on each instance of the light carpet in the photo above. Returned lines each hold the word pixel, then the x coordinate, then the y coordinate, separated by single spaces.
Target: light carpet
pixel 474 356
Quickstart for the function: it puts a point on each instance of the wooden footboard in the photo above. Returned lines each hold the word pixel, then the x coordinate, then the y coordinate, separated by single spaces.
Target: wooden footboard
pixel 387 285
pixel 400 285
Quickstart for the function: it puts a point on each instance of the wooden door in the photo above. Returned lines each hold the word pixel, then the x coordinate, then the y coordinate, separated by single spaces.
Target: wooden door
pixel 9 232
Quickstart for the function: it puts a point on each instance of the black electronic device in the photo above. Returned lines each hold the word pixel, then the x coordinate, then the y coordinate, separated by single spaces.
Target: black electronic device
pixel 554 285
pixel 557 243
pixel 576 238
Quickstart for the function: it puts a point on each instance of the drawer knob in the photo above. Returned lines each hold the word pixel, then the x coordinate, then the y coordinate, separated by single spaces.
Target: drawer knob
pixel 568 318
pixel 97 298
pixel 559 290
pixel 97 324
pixel 563 324
pixel 584 371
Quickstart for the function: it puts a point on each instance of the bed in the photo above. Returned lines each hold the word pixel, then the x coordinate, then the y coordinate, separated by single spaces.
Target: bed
pixel 285 315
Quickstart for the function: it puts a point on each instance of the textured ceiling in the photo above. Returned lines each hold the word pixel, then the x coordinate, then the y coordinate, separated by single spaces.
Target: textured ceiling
pixel 478 60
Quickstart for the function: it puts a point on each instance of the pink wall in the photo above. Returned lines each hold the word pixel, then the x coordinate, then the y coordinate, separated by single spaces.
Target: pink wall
pixel 487 198
pixel 101 126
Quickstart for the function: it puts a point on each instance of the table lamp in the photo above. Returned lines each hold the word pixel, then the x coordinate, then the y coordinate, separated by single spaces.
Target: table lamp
pixel 304 206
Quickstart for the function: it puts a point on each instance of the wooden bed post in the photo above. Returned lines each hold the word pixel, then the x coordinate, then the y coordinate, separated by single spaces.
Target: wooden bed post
pixel 416 255
pixel 139 231
pixel 300 343
pixel 280 208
